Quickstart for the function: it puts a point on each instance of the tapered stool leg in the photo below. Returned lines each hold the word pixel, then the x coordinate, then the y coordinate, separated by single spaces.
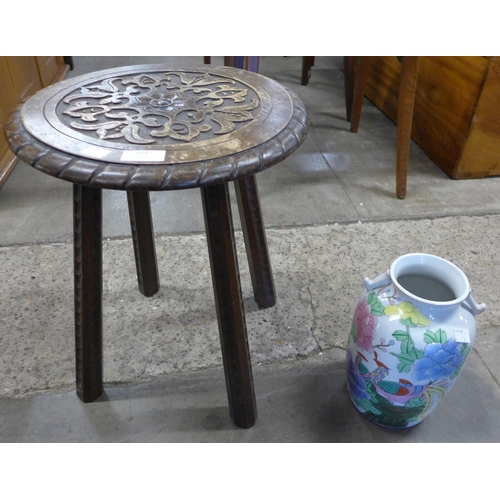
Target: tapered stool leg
pixel 229 304
pixel 141 224
pixel 252 224
pixel 254 233
pixel 87 232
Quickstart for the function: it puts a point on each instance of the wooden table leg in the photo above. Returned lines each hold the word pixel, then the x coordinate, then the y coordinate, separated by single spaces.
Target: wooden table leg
pixel 143 237
pixel 254 233
pixel 229 304
pixel 87 232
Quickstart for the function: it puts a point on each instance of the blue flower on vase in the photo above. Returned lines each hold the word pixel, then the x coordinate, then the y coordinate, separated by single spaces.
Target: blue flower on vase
pixel 355 381
pixel 439 362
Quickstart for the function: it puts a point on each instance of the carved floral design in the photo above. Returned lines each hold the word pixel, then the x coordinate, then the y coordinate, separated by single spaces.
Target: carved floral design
pixel 145 108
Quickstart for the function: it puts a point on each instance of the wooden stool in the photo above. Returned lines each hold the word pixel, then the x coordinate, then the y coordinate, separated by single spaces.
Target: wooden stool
pixel 153 128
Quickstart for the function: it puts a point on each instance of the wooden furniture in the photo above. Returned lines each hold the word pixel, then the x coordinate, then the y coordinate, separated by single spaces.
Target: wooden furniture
pixel 154 127
pixel 356 77
pixel 455 118
pixel 21 77
pixel 307 64
pixel 251 63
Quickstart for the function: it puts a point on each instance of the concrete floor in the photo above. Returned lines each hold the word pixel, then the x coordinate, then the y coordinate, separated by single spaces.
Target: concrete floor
pixel 332 217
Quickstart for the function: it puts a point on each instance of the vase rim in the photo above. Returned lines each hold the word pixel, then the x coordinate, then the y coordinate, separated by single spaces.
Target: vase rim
pixel 449 273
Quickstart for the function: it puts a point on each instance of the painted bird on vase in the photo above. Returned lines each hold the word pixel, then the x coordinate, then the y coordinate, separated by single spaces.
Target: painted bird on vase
pixel 396 392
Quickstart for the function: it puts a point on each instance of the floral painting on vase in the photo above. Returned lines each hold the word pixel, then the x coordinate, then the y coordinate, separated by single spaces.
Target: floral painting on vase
pixel 396 375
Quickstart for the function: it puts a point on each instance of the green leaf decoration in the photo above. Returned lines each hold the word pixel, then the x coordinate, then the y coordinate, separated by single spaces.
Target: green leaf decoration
pixel 377 309
pixel 403 368
pixel 408 346
pixel 442 336
pixel 406 361
pixel 371 391
pixel 409 353
pixel 368 406
pixel 393 415
pixel 417 402
pixel 439 336
pixel 408 322
pixel 414 355
pixel 466 349
pixel 400 335
pixel 429 337
pixel 404 358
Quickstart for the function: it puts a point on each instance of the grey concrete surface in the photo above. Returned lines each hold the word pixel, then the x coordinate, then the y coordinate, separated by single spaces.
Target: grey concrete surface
pixel 332 219
pixel 299 401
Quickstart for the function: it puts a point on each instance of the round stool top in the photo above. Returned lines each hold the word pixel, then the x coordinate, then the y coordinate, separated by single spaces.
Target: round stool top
pixel 155 127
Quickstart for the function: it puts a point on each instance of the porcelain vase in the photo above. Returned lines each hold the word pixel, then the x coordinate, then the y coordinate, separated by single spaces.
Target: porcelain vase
pixel 412 332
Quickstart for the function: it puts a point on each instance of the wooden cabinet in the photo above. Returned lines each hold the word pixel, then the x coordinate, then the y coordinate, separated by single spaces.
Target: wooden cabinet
pixel 455 118
pixel 21 77
pixel 51 69
pixel 7 103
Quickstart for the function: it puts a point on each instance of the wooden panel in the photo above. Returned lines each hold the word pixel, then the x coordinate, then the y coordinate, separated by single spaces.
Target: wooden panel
pixel 48 67
pixel 448 90
pixel 24 74
pixel 481 155
pixel 8 102
pixel 20 77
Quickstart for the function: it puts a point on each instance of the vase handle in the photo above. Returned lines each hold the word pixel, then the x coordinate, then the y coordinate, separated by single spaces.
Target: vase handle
pixel 473 306
pixel 383 279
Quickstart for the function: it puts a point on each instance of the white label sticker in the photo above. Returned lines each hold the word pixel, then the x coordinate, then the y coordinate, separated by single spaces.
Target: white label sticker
pixel 462 335
pixel 141 155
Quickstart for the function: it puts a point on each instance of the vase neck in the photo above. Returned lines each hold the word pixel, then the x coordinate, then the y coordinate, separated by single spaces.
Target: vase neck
pixel 429 279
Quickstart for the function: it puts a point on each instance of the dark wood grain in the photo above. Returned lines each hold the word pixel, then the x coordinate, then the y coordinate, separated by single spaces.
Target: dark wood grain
pixel 281 125
pixel 254 233
pixel 87 221
pixel 141 224
pixel 229 305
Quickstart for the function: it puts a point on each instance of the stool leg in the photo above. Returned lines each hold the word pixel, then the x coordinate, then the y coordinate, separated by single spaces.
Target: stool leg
pixel 229 304
pixel 141 223
pixel 254 233
pixel 87 232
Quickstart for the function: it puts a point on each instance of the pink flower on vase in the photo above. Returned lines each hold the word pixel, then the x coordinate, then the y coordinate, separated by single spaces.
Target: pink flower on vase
pixel 365 323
